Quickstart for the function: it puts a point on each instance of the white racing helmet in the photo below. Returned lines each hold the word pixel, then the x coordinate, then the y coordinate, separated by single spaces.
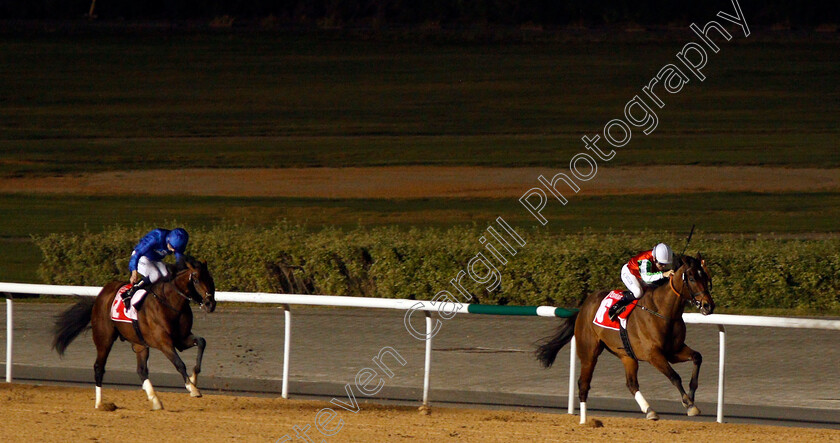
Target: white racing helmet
pixel 663 254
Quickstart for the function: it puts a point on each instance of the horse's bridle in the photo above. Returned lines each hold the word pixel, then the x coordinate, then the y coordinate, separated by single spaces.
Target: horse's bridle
pixel 200 302
pixel 694 294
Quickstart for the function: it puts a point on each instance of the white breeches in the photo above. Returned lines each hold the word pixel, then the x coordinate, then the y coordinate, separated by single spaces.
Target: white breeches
pixel 631 282
pixel 154 270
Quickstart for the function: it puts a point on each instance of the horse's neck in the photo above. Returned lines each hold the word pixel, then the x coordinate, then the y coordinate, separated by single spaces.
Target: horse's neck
pixel 169 290
pixel 667 302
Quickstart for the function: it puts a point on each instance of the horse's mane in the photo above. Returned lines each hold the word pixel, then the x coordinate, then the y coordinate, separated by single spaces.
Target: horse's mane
pixel 689 260
pixel 181 264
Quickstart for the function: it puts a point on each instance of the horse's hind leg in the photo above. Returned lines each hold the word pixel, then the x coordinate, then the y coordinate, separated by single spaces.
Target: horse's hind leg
pixel 169 351
pixel 190 341
pixel 143 372
pixel 631 371
pixel 661 363
pixel 686 354
pixel 588 354
pixel 103 341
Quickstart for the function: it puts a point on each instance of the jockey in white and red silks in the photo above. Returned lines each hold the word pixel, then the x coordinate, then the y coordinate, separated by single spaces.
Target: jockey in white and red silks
pixel 642 271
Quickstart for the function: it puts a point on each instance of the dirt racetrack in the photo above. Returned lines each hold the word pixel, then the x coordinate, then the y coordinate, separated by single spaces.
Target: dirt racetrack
pixel 50 413
pixel 424 181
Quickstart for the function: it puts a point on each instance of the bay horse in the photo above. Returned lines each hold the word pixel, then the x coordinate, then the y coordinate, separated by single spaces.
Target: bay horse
pixel 165 323
pixel 656 333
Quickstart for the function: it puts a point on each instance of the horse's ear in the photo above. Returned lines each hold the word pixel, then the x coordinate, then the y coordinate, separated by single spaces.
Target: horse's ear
pixel 189 265
pixel 204 263
pixel 699 256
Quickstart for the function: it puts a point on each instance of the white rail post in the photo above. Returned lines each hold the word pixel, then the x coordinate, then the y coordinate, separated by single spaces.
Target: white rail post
pixel 287 345
pixel 721 372
pixel 572 364
pixel 10 321
pixel 428 367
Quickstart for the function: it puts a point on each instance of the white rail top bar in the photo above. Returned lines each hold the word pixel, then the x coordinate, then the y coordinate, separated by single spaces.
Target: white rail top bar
pixel 756 320
pixel 332 300
pixel 29 288
pixel 248 297
pixel 419 305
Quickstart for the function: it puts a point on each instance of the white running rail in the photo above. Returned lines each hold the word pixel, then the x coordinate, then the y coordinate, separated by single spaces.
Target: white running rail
pixel 419 305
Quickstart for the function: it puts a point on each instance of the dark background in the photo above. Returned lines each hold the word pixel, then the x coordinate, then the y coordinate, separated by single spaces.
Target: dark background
pixel 385 13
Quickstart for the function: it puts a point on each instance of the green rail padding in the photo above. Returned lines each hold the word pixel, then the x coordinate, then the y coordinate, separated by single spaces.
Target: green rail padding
pixel 515 310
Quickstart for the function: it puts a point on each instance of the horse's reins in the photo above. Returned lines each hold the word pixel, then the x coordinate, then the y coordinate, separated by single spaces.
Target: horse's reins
pixel 166 303
pixel 694 294
pixel 677 293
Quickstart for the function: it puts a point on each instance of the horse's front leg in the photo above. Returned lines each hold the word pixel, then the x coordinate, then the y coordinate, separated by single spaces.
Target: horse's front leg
pixel 631 372
pixel 686 354
pixel 661 363
pixel 169 351
pixel 190 341
pixel 143 371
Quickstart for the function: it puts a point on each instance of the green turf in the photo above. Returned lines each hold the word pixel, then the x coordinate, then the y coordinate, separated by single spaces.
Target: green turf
pixel 713 213
pixel 247 100
pixel 25 157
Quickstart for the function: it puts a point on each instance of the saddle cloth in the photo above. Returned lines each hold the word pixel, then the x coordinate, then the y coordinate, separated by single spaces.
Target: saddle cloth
pixel 118 309
pixel 603 320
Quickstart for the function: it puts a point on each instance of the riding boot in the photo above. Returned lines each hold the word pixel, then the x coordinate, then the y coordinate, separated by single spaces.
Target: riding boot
pixel 620 305
pixel 133 290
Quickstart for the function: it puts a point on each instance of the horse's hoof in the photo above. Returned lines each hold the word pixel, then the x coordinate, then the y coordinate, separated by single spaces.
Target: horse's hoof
pixel 651 415
pixel 196 393
pixel 693 410
pixel 107 407
pixel 157 406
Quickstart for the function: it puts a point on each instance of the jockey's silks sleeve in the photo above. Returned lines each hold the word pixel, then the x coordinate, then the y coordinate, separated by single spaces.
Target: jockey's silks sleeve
pixel 648 273
pixel 152 246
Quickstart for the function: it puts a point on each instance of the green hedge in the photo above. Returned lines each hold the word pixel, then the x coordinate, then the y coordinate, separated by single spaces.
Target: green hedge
pixel 415 264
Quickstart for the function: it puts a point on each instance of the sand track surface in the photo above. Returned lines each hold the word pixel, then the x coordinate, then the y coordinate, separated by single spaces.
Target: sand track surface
pixel 50 413
pixel 425 181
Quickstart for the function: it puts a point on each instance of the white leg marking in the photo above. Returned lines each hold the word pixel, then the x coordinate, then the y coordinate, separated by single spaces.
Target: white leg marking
pixel 640 399
pixel 582 412
pixel 193 377
pixel 98 397
pixel 150 393
pixel 194 392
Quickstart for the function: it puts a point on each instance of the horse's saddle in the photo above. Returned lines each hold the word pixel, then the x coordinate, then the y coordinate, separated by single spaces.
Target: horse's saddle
pixel 127 314
pixel 603 320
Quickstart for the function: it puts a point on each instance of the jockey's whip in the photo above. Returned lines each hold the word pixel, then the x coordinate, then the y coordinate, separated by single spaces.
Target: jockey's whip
pixel 687 241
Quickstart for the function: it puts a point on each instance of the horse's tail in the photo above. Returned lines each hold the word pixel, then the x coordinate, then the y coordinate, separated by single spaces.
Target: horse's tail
pixel 72 322
pixel 549 347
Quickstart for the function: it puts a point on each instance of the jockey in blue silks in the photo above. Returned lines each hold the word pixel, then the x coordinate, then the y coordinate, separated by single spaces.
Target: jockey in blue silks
pixel 146 259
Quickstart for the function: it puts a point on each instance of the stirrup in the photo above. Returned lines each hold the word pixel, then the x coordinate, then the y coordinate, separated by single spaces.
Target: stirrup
pixel 126 296
pixel 616 310
pixel 620 305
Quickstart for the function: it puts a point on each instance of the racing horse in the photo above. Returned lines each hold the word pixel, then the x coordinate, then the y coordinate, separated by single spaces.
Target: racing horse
pixel 164 322
pixel 656 335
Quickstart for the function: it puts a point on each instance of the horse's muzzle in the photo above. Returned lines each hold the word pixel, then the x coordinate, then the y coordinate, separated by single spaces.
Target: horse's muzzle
pixel 209 304
pixel 707 308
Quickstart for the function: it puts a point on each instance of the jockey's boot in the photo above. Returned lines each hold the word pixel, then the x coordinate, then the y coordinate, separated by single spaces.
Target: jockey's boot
pixel 620 305
pixel 133 290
